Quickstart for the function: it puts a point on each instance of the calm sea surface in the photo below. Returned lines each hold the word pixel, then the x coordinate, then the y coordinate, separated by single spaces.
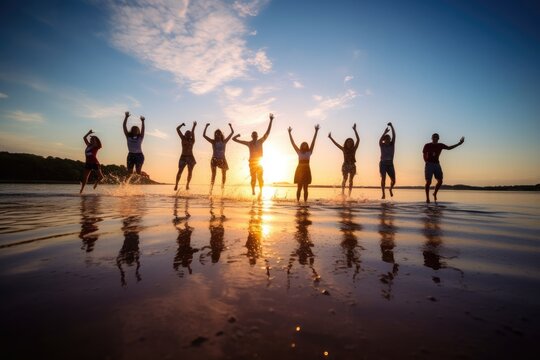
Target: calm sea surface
pixel 141 272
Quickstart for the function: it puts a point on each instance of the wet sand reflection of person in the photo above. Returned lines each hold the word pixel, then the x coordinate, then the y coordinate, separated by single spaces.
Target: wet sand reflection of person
pixel 303 252
pixel 129 254
pixel 217 233
pixel 387 230
pixel 349 244
pixel 254 239
pixel 184 254
pixel 90 210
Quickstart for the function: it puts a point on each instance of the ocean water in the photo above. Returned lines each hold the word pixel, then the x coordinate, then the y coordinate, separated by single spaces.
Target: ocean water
pixel 142 272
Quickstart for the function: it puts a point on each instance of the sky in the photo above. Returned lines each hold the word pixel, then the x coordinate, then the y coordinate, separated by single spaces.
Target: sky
pixel 458 68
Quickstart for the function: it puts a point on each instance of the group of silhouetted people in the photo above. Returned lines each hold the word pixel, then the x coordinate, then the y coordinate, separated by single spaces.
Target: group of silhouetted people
pixel 302 175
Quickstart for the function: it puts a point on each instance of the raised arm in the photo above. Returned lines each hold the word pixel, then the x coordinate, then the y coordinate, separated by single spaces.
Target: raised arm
pixel 334 141
pixel 204 134
pixel 142 126
pixel 265 136
pixel 230 135
pixel 317 127
pixel 124 124
pixel 180 131
pixel 393 133
pixel 461 141
pixel 357 137
pixel 85 137
pixel 386 130
pixel 292 140
pixel 193 131
pixel 235 139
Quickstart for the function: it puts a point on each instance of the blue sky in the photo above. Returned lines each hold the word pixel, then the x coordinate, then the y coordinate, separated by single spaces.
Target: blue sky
pixel 459 68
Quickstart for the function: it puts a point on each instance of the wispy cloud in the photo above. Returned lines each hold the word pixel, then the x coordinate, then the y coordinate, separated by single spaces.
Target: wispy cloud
pixel 27 117
pixel 93 109
pixel 3 96
pixel 157 133
pixel 251 109
pixel 327 104
pixel 25 80
pixel 201 43
pixel 348 78
pixel 297 84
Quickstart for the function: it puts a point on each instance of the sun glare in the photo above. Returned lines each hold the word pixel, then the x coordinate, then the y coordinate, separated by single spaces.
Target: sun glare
pixel 278 166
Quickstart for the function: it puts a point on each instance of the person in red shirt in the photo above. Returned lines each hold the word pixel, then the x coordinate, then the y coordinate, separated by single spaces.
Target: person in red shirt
pixel 431 153
pixel 92 163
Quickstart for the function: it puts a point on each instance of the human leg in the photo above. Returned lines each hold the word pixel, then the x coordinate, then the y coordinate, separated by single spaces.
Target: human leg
pixel 305 186
pixel 86 174
pixel 190 174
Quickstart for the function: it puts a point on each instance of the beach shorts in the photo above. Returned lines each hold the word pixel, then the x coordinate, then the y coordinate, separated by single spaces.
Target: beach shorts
pixel 255 169
pixel 135 159
pixel 387 167
pixel 91 166
pixel 188 160
pixel 302 175
pixel 220 163
pixel 348 168
pixel 433 169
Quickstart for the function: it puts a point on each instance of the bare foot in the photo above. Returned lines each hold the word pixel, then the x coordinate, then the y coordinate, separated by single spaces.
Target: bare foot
pixel 427 201
pixel 383 196
pixel 391 192
pixel 187 186
pixel 435 196
pixel 95 186
pixel 176 187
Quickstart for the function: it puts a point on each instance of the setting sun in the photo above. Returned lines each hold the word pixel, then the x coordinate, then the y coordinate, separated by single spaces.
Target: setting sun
pixel 278 165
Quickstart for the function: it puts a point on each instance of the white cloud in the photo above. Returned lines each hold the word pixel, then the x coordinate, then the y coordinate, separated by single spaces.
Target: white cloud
pixel 25 116
pixel 232 92
pixel 252 109
pixel 348 78
pixel 201 43
pixel 297 84
pixel 93 109
pixel 3 96
pixel 157 133
pixel 326 104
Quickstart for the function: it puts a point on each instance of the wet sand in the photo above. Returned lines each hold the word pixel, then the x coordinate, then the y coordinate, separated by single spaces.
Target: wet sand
pixel 150 275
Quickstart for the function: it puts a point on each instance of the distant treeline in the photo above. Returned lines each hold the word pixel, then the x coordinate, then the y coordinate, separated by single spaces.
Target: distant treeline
pixel 15 167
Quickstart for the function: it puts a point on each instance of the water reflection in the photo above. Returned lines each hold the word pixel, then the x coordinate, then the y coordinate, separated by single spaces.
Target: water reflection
pixel 303 252
pixel 217 233
pixel 90 211
pixel 255 233
pixel 387 230
pixel 349 244
pixel 132 210
pixel 184 254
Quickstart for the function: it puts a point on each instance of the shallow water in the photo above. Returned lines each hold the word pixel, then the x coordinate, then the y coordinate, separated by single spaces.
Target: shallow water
pixel 142 272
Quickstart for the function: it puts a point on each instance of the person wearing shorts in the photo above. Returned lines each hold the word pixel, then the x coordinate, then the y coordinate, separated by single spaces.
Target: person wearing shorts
pixel 348 168
pixel 431 152
pixel 386 164
pixel 255 156
pixel 219 143
pixel 91 162
pixel 186 158
pixel 134 137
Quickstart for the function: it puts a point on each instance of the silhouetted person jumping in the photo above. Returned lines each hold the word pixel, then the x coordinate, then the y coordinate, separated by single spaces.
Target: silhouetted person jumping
pixel 431 153
pixel 218 155
pixel 91 163
pixel 255 155
pixel 187 158
pixel 386 165
pixel 302 175
pixel 348 169
pixel 134 137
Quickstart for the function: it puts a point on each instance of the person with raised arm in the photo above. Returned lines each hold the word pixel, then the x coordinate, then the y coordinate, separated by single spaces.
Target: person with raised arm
pixel 431 154
pixel 386 165
pixel 218 155
pixel 348 169
pixel 255 155
pixel 186 158
pixel 134 139
pixel 302 175
pixel 91 164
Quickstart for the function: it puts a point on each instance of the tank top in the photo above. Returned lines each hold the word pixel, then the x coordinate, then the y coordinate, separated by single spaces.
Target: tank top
pixel 134 144
pixel 90 153
pixel 218 148
pixel 387 152
pixel 349 155
pixel 303 157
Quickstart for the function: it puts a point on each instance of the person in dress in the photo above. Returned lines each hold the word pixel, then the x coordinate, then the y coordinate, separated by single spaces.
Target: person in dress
pixel 302 175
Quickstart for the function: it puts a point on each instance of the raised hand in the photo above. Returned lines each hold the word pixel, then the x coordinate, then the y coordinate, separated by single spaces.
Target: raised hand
pixel 462 140
pixel 330 135
pixel 236 136
pixel 317 127
pixel 271 116
pixel 389 124
pixel 194 123
pixel 207 125
pixel 182 124
pixel 91 131
pixel 289 129
pixel 230 125
pixel 354 126
pixel 142 118
pixel 127 114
